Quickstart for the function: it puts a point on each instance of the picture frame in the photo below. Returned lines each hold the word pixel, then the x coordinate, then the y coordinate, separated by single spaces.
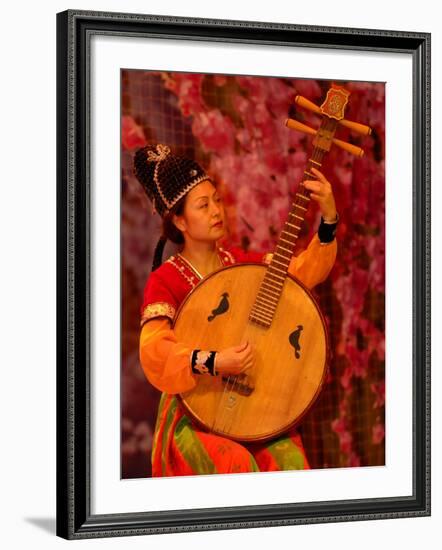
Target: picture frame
pixel 75 220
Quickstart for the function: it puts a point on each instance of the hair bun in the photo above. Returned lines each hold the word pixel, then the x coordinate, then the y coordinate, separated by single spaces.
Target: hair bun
pixel 166 177
pixel 160 153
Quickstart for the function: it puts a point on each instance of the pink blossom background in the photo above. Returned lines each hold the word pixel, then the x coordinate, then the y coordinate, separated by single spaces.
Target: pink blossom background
pixel 235 127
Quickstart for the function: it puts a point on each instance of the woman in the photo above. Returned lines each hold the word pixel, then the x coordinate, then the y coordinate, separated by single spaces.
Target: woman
pixel 193 216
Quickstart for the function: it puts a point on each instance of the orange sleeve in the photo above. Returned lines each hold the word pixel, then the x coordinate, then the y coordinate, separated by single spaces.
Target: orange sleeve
pixel 313 265
pixel 165 362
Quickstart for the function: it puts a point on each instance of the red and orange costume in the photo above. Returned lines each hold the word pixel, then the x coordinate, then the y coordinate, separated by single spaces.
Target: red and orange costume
pixel 180 448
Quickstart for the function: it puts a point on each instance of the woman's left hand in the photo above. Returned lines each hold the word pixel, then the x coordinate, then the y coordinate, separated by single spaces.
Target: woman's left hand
pixel 321 191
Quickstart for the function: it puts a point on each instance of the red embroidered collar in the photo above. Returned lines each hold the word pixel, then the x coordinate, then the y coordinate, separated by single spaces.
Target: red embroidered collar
pixel 189 273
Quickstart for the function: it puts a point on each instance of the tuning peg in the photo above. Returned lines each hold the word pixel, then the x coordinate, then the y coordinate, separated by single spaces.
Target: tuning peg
pixel 355 126
pixel 296 125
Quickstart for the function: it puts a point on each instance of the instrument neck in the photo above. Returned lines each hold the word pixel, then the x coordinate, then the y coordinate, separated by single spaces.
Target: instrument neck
pixel 271 287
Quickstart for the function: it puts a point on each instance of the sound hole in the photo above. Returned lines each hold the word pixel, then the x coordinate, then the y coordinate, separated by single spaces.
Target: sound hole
pixel 222 307
pixel 294 341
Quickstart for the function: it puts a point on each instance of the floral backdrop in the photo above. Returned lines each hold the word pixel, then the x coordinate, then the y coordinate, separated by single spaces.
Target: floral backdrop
pixel 235 127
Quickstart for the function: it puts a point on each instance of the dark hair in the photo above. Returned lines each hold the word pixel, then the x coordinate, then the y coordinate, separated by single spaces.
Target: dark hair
pixel 170 231
pixel 166 178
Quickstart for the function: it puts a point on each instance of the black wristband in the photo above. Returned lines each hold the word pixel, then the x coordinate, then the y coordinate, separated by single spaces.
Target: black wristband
pixel 327 231
pixel 203 362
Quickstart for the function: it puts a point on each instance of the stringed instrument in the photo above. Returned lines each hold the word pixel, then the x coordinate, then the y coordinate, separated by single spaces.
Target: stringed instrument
pixel 271 309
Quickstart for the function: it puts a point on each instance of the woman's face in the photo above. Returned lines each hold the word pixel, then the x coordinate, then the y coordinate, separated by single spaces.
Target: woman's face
pixel 203 216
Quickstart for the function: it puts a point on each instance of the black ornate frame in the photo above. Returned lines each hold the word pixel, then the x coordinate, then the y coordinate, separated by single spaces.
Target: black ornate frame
pixel 74 31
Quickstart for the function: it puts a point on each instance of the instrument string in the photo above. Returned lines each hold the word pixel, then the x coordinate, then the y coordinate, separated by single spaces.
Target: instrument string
pixel 218 418
pixel 225 398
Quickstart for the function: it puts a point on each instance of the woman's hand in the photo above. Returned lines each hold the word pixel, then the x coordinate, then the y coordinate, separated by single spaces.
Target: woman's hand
pixel 322 193
pixel 235 360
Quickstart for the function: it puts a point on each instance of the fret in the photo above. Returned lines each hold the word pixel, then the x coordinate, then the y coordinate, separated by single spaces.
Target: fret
pixel 271 274
pixel 280 263
pixel 285 240
pixel 263 314
pixel 298 206
pixel 267 316
pixel 315 162
pixel 265 309
pixel 260 298
pixel 293 225
pixel 290 252
pixel 258 321
pixel 302 197
pixel 276 286
pixel 282 257
pixel 309 174
pixel 284 232
pixel 271 266
pixel 299 217
pixel 271 289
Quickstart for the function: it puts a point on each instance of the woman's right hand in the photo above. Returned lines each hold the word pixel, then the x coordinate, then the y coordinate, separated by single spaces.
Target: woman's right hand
pixel 235 360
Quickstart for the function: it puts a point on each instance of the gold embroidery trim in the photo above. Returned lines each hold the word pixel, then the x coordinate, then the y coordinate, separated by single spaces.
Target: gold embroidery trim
pixel 267 258
pixel 157 309
pixel 180 269
pixel 228 254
